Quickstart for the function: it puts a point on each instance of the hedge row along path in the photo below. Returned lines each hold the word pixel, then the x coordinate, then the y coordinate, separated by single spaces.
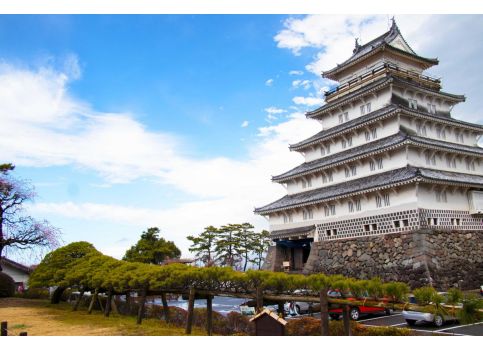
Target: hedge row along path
pixel 80 265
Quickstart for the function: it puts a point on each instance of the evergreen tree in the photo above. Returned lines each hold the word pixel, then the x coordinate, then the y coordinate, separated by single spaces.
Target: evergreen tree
pixel 245 242
pixel 204 245
pixel 227 245
pixel 151 249
pixel 261 242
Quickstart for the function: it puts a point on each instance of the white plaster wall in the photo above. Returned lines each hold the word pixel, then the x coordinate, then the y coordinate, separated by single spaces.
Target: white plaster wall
pixel 456 200
pixel 469 137
pixel 404 199
pixel 417 157
pixel 391 160
pixel 384 128
pixel 378 100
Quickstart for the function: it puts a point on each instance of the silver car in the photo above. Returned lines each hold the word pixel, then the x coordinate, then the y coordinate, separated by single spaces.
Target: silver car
pixel 438 320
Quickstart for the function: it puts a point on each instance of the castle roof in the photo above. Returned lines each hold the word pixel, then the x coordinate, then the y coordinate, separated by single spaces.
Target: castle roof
pixel 382 145
pixel 385 41
pixel 377 115
pixel 371 183
pixel 378 85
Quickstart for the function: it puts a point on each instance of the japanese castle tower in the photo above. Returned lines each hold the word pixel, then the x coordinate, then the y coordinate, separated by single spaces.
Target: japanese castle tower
pixel 392 184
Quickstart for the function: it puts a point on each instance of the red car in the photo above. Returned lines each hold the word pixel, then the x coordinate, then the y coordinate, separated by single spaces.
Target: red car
pixel 335 311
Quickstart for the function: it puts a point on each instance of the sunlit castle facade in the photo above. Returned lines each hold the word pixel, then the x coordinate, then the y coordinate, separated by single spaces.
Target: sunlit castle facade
pixel 390 159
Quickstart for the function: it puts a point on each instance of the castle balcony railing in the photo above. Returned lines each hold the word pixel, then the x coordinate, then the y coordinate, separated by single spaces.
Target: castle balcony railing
pixel 381 70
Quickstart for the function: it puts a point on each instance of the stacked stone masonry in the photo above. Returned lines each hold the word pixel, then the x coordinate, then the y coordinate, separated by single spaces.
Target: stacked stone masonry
pixel 441 258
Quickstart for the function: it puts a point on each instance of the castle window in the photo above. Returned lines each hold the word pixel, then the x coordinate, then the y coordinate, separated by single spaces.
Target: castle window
pixel 346 116
pixel 332 209
pixel 308 214
pixel 386 200
pixel 405 223
pixel 341 118
pixel 329 210
pixel 347 173
pixel 344 143
pixel 349 141
pixel 451 162
pixel 379 163
pixel 396 224
pixel 351 207
pixel 432 221
pixel 329 176
pixel 327 148
pixel 372 166
pixel 374 133
pixel 371 134
pixel 378 201
pixel 455 222
pixel 470 165
pixel 324 178
pixel 328 233
pixel 430 159
pixel 431 108
pixel 413 103
pixel 368 136
pixel 366 108
pixel 322 151
pixel 309 182
pixel 358 204
pixel 441 133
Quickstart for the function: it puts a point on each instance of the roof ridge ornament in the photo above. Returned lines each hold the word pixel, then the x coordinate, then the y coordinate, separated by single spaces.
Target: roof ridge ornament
pixel 357 46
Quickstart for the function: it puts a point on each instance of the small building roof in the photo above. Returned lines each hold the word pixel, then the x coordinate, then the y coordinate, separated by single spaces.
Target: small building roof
pixel 270 313
pixel 384 41
pixel 371 183
pixel 15 265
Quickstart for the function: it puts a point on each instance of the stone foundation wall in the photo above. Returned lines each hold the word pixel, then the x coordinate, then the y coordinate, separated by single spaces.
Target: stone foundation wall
pixel 419 258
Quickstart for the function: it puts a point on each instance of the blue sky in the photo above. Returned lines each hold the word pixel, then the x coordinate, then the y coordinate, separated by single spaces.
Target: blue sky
pixel 127 122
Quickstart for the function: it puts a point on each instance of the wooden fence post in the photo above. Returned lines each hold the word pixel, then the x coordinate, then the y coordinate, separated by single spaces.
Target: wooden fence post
pixel 141 305
pixel 347 323
pixel 191 306
pixel 165 307
pixel 3 329
pixel 209 314
pixel 259 299
pixel 324 313
pixel 107 311
pixel 77 302
pixel 93 300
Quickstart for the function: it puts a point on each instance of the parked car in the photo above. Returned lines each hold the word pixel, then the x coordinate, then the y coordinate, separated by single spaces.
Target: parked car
pixel 300 307
pixel 438 320
pixel 355 312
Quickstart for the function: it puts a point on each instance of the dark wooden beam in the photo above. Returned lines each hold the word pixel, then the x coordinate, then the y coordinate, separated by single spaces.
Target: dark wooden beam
pixel 191 306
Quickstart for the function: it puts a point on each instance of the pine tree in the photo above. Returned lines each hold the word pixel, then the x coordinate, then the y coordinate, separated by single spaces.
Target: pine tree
pixel 204 245
pixel 246 241
pixel 227 245
pixel 261 242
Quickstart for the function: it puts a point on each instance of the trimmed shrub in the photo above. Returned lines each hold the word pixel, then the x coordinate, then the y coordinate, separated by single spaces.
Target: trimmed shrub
pixel 7 286
pixel 240 324
pixel 34 293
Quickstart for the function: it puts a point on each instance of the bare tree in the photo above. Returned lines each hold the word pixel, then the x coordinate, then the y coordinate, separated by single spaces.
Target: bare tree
pixel 19 231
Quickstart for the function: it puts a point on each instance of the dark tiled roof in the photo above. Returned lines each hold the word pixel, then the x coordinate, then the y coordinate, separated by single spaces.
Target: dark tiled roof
pixel 292 231
pixel 366 184
pixel 382 40
pixel 376 115
pixel 375 146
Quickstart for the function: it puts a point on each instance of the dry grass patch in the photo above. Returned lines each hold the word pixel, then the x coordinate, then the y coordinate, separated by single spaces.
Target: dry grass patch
pixel 39 317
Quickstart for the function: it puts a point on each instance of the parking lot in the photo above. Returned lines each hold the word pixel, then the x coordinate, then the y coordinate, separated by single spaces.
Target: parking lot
pixel 450 328
pixel 396 320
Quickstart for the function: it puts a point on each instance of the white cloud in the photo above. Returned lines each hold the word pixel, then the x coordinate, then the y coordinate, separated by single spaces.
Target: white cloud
pixel 306 84
pixel 269 82
pixel 296 72
pixel 245 124
pixel 274 110
pixel 308 101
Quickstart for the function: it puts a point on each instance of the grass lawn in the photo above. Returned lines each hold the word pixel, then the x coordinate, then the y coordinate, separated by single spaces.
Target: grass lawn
pixel 39 317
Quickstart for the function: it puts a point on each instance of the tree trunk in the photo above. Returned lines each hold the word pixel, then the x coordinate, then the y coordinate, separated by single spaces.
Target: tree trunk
pixel 165 307
pixel 56 295
pixel 347 323
pixel 191 306
pixel 93 300
pixel 259 299
pixel 324 313
pixel 141 305
pixel 78 301
pixel 209 314
pixel 107 311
